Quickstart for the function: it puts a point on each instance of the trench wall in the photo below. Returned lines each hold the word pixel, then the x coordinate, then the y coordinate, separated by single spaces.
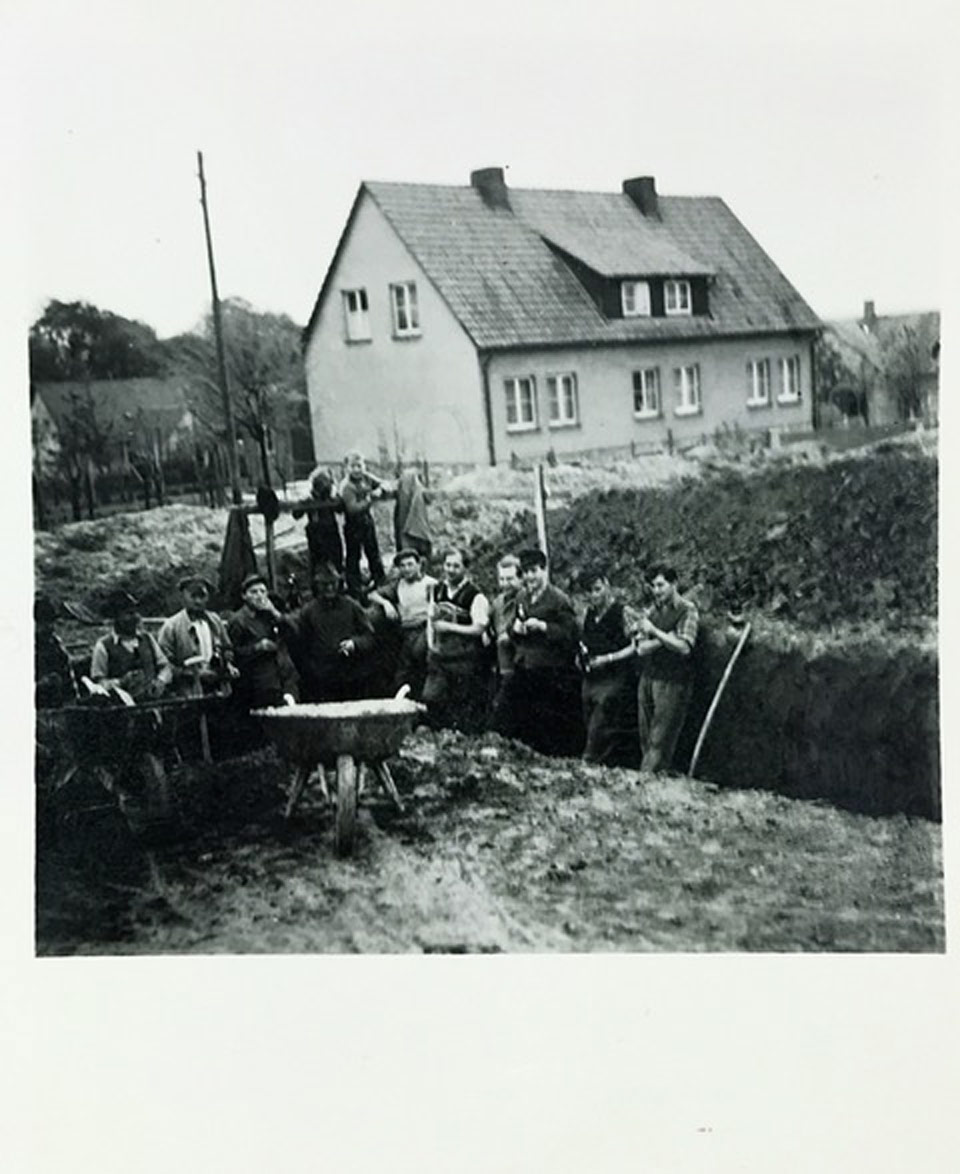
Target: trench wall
pixel 855 724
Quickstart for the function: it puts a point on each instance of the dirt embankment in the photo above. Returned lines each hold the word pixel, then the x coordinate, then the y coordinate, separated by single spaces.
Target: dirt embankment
pixel 499 850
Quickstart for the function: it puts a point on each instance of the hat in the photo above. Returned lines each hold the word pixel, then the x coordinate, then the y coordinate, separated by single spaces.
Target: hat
pixel 119 602
pixel 190 580
pixel 250 580
pixel 407 552
pixel 327 572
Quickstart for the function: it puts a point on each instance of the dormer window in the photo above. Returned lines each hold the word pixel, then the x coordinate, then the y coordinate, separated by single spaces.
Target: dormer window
pixel 635 299
pixel 676 298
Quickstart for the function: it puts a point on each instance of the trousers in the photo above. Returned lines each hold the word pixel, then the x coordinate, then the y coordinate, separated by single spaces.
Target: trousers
pixel 661 711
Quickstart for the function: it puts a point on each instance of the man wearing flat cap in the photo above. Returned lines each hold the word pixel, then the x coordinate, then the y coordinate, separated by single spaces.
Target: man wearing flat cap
pixel 129 657
pixel 407 602
pixel 196 643
pixel 267 675
pixel 332 638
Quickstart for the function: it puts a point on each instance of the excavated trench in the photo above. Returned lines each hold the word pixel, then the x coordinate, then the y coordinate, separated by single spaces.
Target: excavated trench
pixel 853 722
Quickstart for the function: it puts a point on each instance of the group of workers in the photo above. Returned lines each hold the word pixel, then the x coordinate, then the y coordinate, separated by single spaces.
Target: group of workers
pixel 519 663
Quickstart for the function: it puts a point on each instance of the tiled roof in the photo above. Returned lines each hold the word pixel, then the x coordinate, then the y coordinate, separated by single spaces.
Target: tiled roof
pixel 161 401
pixel 509 288
pixel 856 343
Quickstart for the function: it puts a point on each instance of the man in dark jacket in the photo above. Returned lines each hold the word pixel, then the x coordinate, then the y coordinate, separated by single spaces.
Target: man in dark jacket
pixel 267 675
pixel 540 706
pixel 333 638
pixel 607 659
pixel 667 638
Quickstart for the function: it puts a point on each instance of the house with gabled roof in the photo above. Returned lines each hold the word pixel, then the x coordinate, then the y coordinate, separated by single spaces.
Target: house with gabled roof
pixel 481 323
pixel 867 347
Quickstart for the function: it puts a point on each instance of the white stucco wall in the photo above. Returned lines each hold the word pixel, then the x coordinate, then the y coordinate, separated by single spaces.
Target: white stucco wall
pixel 605 392
pixel 421 395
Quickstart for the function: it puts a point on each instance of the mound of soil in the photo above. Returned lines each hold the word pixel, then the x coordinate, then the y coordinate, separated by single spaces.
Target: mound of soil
pixel 853 540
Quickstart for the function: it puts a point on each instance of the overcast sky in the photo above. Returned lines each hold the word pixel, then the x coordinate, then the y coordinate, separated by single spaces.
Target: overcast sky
pixel 819 124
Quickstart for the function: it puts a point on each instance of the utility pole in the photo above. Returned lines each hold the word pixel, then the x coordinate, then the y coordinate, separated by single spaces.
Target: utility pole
pixel 233 461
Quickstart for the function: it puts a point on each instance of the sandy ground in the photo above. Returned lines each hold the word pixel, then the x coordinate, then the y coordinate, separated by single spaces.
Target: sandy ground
pixel 497 850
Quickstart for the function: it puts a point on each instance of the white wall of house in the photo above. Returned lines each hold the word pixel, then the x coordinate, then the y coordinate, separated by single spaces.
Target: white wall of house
pixel 605 394
pixel 421 395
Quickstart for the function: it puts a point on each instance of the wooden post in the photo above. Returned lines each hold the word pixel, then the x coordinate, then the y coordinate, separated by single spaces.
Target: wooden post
pixel 233 459
pixel 271 554
pixel 540 508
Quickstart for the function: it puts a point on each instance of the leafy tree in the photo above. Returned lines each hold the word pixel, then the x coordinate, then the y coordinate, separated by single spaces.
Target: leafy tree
pixel 908 359
pixel 76 340
pixel 838 383
pixel 264 371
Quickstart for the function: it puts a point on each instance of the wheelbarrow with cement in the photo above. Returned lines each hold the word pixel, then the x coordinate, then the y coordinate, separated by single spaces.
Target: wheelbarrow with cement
pixel 356 735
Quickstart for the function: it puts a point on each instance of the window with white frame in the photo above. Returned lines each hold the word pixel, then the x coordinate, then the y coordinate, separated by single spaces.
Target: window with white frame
pixel 406 314
pixel 686 383
pixel 521 403
pixel 356 316
pixel 758 383
pixel 676 297
pixel 646 393
pixel 789 380
pixel 562 406
pixel 635 299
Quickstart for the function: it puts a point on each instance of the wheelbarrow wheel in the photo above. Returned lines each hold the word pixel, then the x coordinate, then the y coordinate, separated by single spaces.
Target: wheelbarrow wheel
pixel 346 804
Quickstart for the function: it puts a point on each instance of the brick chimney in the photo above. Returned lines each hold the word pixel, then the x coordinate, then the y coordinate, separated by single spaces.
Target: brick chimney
pixel 869 320
pixel 643 192
pixel 491 185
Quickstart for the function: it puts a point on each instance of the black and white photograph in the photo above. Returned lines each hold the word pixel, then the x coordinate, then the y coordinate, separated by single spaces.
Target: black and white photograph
pixel 484 495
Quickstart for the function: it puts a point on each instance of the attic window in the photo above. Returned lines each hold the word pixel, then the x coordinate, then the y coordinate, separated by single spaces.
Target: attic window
pixel 676 298
pixel 406 313
pixel 356 315
pixel 635 299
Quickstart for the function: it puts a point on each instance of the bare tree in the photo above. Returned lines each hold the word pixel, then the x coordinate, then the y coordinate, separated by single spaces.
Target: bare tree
pixel 907 363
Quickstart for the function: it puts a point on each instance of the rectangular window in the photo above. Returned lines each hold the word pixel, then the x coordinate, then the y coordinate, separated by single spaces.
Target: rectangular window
pixel 686 383
pixel 758 383
pixel 635 299
pixel 521 403
pixel 356 317
pixel 562 400
pixel 646 393
pixel 789 380
pixel 406 315
pixel 676 297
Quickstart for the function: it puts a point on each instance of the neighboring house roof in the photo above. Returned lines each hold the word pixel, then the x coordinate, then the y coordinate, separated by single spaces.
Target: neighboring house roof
pixel 859 339
pixel 151 403
pixel 508 287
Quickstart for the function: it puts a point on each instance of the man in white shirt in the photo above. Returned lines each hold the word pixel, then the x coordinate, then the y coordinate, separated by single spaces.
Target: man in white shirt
pixel 407 602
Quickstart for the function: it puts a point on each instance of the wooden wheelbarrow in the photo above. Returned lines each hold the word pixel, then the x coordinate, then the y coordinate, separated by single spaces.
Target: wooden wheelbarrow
pixel 356 734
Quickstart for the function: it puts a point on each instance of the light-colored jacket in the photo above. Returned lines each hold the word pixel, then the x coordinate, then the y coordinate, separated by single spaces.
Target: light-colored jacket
pixel 178 641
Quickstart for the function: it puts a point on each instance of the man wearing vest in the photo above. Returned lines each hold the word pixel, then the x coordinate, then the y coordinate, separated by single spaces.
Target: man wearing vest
pixel 129 657
pixel 607 659
pixel 455 688
pixel 666 639
pixel 541 705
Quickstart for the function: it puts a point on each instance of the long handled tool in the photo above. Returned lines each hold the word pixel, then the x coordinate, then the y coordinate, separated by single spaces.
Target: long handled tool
pixel 716 698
